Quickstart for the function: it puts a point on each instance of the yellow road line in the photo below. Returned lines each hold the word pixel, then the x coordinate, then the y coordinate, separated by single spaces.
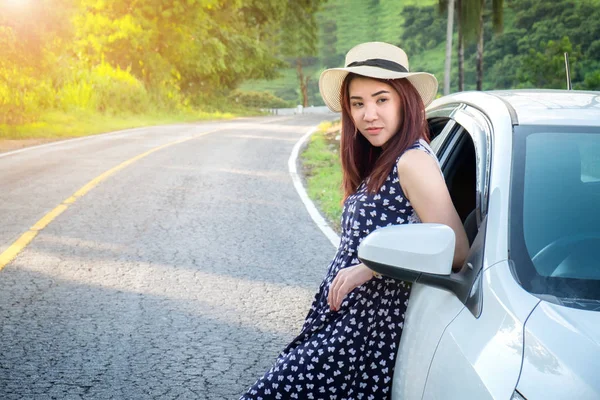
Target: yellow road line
pixel 14 249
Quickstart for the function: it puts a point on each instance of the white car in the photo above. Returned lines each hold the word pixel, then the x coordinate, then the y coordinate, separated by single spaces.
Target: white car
pixel 522 318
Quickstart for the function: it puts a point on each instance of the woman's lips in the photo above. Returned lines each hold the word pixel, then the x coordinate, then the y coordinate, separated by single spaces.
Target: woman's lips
pixel 374 131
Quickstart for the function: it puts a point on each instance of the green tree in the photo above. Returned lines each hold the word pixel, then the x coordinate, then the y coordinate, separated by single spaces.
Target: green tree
pixel 423 29
pixel 200 46
pixel 547 69
pixel 299 39
pixel 353 20
pixel 470 23
pixel 31 36
pixel 590 82
pixel 517 56
pixel 473 22
pixel 389 20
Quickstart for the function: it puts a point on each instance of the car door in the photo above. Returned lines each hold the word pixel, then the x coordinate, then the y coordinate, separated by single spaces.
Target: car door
pixel 462 146
pixel 479 354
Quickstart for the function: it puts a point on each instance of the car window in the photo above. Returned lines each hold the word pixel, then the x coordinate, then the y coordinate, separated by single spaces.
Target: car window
pixel 555 197
pixel 455 150
pixel 459 165
pixel 439 128
pixel 589 149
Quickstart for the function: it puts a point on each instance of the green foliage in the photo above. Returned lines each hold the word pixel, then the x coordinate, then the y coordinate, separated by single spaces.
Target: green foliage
pixel 258 100
pixel 76 95
pixel 591 81
pixel 424 29
pixel 531 52
pixel 299 40
pixel 208 44
pixel 105 89
pixel 115 87
pixel 286 85
pixel 23 89
pixel 22 96
pixel 345 23
pixel 547 69
pixel 121 56
pixel 299 29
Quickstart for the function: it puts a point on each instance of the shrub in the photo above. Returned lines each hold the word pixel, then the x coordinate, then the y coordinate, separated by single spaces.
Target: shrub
pixel 166 96
pixel 118 90
pixel 258 99
pixel 77 94
pixel 106 89
pixel 22 97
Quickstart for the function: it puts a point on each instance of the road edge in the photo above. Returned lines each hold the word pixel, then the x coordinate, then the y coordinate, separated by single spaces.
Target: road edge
pixel 69 140
pixel 310 206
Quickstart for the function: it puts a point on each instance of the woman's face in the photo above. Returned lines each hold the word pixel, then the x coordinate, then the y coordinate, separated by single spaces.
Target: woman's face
pixel 375 109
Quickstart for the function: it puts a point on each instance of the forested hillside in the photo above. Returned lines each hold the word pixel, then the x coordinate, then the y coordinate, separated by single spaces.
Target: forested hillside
pixel 528 53
pixel 346 23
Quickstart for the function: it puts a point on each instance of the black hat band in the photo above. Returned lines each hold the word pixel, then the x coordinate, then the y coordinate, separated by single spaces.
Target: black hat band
pixel 380 63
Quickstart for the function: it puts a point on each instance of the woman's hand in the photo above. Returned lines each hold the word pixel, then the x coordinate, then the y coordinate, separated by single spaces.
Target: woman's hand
pixel 345 281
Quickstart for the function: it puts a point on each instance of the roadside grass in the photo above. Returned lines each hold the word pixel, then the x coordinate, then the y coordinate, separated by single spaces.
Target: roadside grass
pixel 322 171
pixel 60 125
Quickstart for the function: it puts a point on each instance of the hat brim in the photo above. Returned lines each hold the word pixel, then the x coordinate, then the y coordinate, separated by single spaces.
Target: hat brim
pixel 330 83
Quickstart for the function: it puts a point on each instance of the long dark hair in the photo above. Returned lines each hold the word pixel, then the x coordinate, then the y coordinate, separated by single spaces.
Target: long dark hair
pixel 359 158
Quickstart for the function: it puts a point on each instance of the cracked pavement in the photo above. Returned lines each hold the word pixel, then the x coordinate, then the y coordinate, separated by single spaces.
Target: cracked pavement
pixel 180 277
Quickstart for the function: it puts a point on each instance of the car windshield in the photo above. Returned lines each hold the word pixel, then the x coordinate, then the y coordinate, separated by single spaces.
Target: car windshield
pixel 555 213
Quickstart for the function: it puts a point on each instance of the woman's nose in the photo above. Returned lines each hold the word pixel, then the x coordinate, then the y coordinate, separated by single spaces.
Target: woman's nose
pixel 370 113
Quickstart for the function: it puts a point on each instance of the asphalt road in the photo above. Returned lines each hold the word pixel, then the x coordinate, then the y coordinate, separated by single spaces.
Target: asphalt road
pixel 181 276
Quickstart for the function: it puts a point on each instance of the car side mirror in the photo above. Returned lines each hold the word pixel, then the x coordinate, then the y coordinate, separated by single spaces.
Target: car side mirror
pixel 410 250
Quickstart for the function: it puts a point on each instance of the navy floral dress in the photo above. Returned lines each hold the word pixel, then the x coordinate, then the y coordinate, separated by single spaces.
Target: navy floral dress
pixel 349 353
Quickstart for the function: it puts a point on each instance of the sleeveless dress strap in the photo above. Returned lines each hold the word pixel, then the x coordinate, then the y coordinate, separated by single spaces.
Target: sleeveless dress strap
pixel 420 144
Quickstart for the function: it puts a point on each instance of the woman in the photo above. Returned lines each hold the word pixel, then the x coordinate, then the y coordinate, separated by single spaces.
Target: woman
pixel 348 344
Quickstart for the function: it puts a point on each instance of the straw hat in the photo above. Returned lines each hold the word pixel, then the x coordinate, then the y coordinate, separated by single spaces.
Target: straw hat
pixel 375 60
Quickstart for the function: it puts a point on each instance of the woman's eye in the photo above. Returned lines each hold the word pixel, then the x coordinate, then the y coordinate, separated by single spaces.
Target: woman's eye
pixel 382 100
pixel 356 104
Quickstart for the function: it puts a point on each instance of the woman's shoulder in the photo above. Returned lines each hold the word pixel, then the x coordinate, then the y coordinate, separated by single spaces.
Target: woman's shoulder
pixel 420 146
pixel 417 159
pixel 417 166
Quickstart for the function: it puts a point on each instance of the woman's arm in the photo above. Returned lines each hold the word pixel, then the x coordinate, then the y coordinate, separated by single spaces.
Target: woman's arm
pixel 425 188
